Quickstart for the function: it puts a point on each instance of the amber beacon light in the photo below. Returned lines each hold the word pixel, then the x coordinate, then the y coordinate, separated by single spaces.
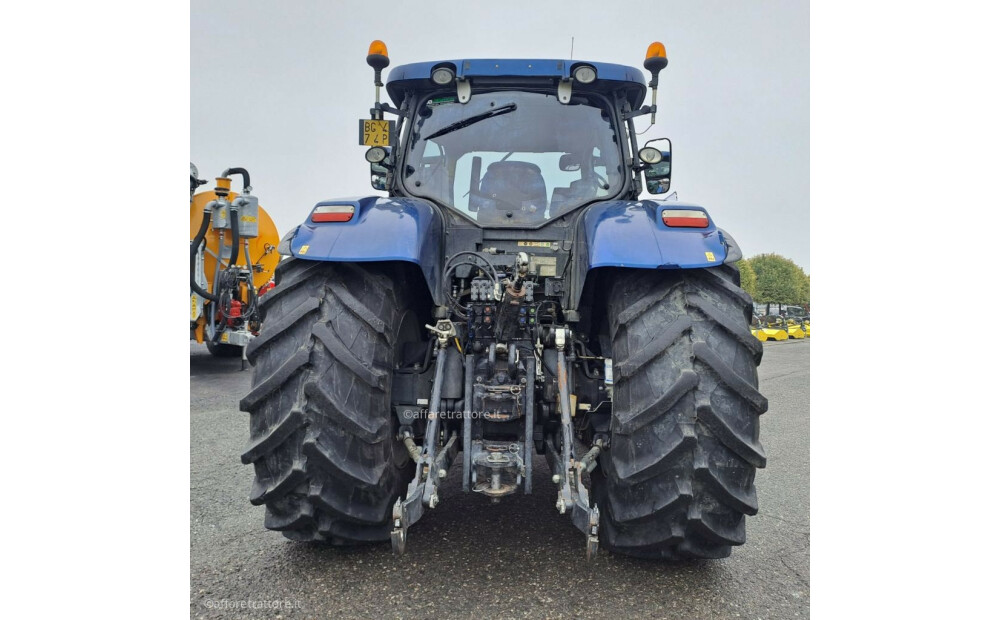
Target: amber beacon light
pixel 378 59
pixel 656 61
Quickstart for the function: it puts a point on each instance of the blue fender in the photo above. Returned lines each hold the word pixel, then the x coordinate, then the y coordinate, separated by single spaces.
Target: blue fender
pixel 632 234
pixel 382 229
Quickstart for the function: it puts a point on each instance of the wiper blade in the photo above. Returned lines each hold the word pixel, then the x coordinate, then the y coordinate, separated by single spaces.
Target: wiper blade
pixel 504 109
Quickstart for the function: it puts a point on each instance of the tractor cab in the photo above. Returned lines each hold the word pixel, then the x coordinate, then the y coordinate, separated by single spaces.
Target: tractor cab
pixel 525 160
pixel 511 143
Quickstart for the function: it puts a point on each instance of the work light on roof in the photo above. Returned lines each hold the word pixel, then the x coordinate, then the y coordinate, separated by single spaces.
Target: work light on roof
pixel 443 76
pixel 585 74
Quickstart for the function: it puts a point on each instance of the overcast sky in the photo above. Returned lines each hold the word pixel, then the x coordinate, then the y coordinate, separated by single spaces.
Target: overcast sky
pixel 278 88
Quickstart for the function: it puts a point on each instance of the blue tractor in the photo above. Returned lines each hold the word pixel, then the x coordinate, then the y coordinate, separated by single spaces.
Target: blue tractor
pixel 511 296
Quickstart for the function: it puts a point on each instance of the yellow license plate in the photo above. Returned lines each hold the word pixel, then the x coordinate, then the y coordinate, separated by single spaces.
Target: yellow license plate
pixel 376 133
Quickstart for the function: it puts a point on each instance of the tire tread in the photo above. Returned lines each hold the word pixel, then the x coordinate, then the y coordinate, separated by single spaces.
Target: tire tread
pixel 677 481
pixel 327 465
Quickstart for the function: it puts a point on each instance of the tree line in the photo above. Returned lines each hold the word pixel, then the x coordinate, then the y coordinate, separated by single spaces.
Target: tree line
pixel 774 278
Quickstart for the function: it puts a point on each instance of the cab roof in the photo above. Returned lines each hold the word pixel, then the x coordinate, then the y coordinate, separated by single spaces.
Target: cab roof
pixel 418 75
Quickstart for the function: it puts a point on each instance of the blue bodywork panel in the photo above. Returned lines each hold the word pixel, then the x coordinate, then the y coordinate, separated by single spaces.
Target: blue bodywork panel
pixel 632 234
pixel 382 229
pixel 633 78
pixel 614 233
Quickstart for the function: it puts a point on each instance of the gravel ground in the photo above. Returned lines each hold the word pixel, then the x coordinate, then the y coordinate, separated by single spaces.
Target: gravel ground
pixel 468 558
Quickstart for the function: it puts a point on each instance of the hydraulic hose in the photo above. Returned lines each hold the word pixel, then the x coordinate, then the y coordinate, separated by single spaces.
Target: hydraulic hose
pixel 240 171
pixel 195 245
pixel 234 221
pixel 251 291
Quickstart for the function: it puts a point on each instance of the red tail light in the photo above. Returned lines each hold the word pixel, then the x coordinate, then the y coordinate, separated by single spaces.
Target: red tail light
pixel 333 213
pixel 683 218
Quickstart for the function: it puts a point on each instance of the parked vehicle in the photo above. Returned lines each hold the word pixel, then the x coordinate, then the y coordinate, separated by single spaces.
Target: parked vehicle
pixel 511 296
pixel 227 231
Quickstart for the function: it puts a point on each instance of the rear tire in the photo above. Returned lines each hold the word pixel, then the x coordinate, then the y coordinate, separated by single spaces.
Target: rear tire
pixel 677 481
pixel 322 435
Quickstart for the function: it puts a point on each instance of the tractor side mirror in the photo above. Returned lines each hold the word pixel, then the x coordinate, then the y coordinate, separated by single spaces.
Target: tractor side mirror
pixel 658 174
pixel 569 162
pixel 380 174
pixel 379 158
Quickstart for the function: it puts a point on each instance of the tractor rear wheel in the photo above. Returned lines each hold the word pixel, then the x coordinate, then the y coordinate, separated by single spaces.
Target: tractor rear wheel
pixel 678 478
pixel 322 436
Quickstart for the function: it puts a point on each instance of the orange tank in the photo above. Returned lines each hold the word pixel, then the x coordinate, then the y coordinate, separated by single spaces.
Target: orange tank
pixel 263 250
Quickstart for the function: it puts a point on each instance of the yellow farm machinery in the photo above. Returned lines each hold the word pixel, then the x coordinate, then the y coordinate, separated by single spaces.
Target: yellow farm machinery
pixel 233 256
pixel 773 321
pixel 764 329
pixel 795 329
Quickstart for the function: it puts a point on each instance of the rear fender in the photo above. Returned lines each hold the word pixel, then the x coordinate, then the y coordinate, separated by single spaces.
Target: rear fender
pixel 381 229
pixel 632 234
